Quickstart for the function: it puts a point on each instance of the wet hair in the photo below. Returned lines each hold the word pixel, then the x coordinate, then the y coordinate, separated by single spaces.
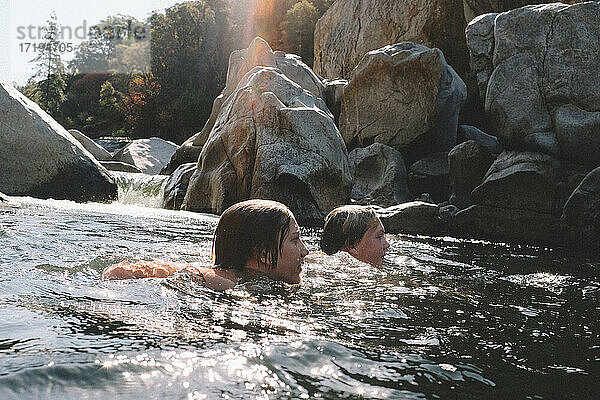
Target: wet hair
pixel 345 227
pixel 249 229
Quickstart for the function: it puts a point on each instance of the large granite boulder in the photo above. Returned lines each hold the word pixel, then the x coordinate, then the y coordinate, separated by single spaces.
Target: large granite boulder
pixel 582 210
pixel 552 105
pixel 273 140
pixel 176 186
pixel 468 163
pixel 149 155
pixel 430 175
pixel 415 217
pixel 39 158
pixel 522 181
pixel 379 176
pixel 351 28
pixel 406 96
pixel 96 150
pixel 259 53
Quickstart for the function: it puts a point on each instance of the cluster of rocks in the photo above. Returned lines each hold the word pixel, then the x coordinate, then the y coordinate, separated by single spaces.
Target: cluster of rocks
pixel 385 125
pixel 39 158
pixel 147 156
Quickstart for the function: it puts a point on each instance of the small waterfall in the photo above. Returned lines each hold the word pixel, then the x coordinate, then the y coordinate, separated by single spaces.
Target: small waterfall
pixel 140 189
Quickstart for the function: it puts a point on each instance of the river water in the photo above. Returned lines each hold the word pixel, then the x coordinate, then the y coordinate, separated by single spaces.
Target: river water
pixel 442 319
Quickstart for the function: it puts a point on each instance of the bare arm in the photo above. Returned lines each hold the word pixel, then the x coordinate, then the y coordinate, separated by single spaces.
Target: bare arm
pixel 214 279
pixel 142 269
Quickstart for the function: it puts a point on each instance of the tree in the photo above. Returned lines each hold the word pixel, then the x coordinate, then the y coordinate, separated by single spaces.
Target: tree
pixel 299 28
pixel 50 69
pixel 190 47
pixel 95 54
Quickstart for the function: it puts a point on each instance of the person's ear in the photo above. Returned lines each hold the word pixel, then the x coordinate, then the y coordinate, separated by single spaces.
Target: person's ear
pixel 264 259
pixel 352 251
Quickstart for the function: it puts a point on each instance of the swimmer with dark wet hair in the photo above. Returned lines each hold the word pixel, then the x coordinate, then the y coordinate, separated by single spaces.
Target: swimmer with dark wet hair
pixel 254 237
pixel 356 230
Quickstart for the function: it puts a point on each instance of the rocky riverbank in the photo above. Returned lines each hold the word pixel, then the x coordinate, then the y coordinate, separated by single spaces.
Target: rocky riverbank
pixel 386 125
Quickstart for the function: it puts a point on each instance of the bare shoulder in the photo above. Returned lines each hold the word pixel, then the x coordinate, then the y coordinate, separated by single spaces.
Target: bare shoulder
pixel 215 279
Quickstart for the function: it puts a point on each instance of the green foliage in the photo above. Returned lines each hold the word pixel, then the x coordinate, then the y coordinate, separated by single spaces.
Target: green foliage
pixel 106 43
pixel 298 30
pixel 122 83
pixel 190 49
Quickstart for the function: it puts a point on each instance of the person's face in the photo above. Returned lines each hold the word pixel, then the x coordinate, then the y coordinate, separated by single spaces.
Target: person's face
pixel 291 256
pixel 372 246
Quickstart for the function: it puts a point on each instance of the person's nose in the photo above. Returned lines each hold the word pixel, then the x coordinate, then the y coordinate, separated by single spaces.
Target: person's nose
pixel 303 250
pixel 386 244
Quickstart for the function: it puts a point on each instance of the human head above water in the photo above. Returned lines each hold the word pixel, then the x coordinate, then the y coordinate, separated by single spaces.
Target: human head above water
pixel 260 234
pixel 356 230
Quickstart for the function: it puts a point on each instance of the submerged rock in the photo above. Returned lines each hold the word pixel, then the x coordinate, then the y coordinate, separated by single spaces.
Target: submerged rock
pixel 406 96
pixel 582 211
pixel 505 224
pixel 273 140
pixel 149 155
pixel 176 186
pixel 379 176
pixel 351 28
pixel 97 151
pixel 415 217
pixel 39 158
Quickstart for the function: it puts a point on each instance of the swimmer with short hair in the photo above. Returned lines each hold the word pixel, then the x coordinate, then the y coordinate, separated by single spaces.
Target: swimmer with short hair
pixel 356 230
pixel 254 237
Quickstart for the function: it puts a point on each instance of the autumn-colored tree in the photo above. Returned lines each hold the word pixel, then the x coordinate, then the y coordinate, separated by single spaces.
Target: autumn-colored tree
pixel 140 105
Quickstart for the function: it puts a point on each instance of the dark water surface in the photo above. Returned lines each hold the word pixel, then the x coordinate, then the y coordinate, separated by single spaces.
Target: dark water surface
pixel 443 318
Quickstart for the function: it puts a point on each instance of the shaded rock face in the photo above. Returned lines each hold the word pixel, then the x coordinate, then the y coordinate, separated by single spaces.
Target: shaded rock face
pixel 582 210
pixel 97 151
pixel 186 153
pixel 351 28
pixel 414 217
pixel 176 186
pixel 333 97
pixel 552 105
pixel 468 163
pixel 522 181
pixel 259 53
pixel 405 96
pixel 523 226
pixel 489 142
pixel 39 158
pixel 148 155
pixel 379 176
pixel 273 140
pixel 430 175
